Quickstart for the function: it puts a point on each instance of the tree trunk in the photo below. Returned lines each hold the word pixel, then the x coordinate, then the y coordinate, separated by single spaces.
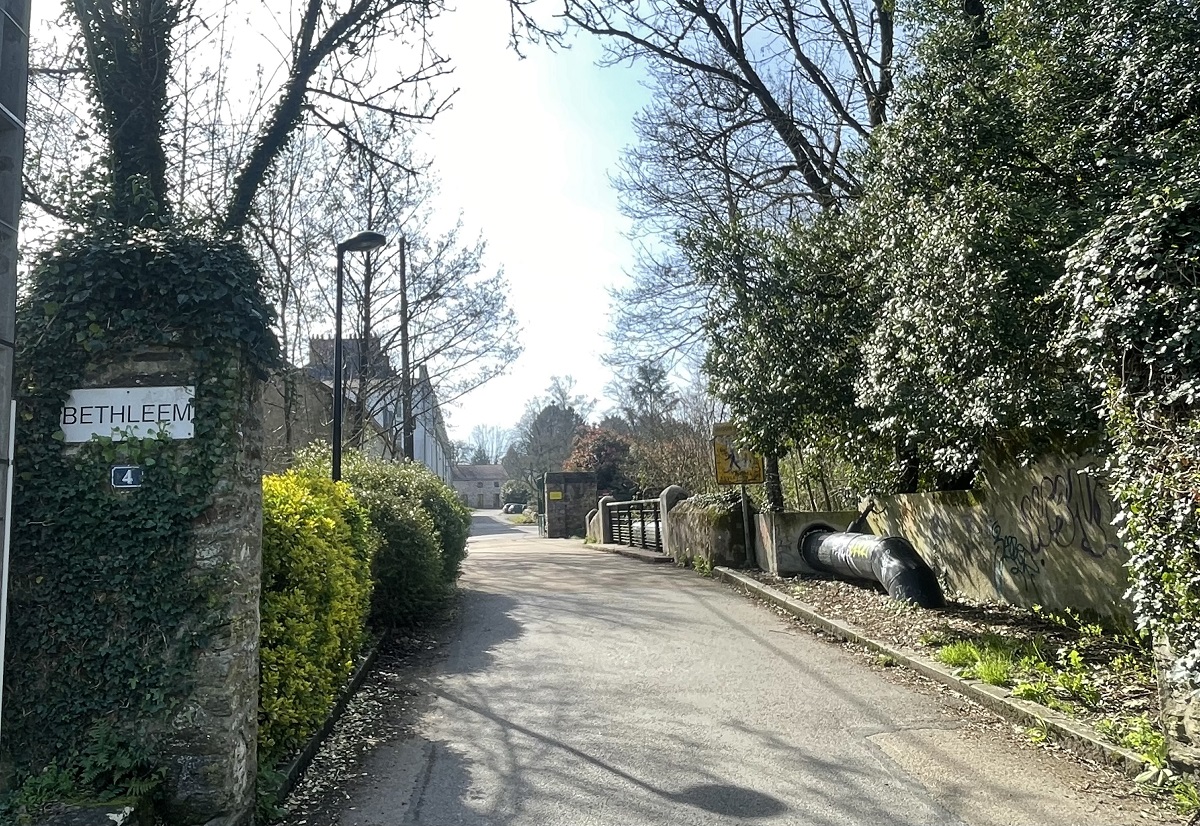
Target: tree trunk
pixel 910 468
pixel 773 483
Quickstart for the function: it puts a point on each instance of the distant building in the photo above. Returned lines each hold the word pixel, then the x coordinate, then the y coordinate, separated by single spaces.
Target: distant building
pixel 298 407
pixel 479 486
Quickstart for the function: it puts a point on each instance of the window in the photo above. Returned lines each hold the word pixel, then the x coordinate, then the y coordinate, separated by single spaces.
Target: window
pixel 495 484
pixel 479 484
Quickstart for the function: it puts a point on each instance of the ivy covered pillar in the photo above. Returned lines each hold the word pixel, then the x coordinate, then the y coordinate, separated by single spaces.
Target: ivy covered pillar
pixel 136 546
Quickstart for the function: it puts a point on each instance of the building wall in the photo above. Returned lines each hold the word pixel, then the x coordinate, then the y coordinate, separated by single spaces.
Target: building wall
pixel 311 419
pixel 470 492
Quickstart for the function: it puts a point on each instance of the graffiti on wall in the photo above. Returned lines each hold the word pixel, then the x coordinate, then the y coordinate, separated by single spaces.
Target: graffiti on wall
pixel 1012 555
pixel 1069 510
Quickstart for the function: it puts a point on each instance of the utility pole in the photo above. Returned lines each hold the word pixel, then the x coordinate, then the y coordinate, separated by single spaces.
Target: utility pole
pixel 406 411
pixel 14 82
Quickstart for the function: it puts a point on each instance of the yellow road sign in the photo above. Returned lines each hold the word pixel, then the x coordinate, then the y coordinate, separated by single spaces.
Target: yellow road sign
pixel 735 465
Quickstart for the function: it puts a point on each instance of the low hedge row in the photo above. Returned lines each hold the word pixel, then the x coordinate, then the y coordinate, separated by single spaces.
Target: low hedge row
pixel 316 591
pixel 383 546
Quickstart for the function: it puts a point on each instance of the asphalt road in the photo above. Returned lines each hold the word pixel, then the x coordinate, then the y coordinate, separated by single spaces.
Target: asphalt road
pixel 587 688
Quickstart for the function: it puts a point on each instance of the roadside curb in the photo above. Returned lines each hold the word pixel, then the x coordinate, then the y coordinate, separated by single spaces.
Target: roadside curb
pixel 296 768
pixel 1077 736
pixel 633 553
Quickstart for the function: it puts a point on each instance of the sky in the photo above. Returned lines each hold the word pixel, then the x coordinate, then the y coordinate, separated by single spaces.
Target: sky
pixel 525 154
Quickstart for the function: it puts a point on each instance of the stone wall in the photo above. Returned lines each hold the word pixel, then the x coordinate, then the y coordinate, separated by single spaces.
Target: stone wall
pixel 778 538
pixel 696 532
pixel 209 746
pixel 1040 534
pixel 568 499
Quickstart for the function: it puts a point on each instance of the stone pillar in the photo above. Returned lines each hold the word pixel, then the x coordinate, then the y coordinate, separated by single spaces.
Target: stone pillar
pixel 569 496
pixel 669 498
pixel 214 736
pixel 1180 713
pixel 605 524
pixel 209 745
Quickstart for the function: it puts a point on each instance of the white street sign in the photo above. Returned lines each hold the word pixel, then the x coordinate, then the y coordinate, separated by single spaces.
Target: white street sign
pixel 120 412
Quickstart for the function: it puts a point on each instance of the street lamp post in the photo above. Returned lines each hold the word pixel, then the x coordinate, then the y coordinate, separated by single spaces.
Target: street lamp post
pixel 406 411
pixel 362 242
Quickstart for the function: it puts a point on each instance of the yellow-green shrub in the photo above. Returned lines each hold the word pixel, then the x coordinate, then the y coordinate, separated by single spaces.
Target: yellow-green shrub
pixel 423 527
pixel 316 591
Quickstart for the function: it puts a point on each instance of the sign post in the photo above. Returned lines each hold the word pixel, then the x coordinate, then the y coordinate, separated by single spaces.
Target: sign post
pixel 737 466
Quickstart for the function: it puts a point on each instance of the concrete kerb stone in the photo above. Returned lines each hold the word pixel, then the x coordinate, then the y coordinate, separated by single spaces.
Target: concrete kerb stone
pixel 632 553
pixel 1071 733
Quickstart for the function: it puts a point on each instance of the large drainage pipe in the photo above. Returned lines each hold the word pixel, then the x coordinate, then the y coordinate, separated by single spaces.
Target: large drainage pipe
pixel 889 560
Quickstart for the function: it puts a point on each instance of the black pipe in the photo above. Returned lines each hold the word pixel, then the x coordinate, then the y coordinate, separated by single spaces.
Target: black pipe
pixel 888 560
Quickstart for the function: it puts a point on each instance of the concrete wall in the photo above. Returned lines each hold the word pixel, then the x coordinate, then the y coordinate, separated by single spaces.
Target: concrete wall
pixel 692 532
pixel 1040 534
pixel 778 538
pixel 568 499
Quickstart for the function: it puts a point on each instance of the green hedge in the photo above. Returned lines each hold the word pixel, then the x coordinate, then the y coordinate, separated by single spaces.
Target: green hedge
pixel 316 589
pixel 423 528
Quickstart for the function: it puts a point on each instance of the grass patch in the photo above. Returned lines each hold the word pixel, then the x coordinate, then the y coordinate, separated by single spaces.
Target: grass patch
pixel 990 657
pixel 1186 797
pixel 996 668
pixel 961 654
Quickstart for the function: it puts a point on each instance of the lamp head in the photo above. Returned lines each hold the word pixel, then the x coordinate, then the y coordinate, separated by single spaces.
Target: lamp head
pixel 362 242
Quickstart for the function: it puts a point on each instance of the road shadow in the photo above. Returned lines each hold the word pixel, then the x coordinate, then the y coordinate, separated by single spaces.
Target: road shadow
pixel 485 622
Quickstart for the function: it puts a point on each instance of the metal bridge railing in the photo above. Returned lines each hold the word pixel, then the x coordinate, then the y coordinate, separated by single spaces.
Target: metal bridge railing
pixel 636 524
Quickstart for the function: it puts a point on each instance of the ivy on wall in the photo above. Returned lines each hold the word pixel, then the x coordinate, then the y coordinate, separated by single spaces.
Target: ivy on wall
pixel 106 607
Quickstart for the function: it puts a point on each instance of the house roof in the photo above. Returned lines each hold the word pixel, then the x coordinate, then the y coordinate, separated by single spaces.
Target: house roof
pixel 320 358
pixel 479 473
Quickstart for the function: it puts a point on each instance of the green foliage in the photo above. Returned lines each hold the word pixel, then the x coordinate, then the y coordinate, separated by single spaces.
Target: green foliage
pixel 51 785
pixel 605 454
pixel 969 213
pixel 703 565
pixel 990 658
pixel 515 490
pixel 316 591
pixel 409 585
pixel 107 605
pixel 106 768
pixel 1133 285
pixel 1137 733
pixel 1186 797
pixel 784 327
pixel 995 669
pixel 423 529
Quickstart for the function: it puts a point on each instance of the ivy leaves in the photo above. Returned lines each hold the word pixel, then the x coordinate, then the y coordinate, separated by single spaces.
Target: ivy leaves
pixel 108 602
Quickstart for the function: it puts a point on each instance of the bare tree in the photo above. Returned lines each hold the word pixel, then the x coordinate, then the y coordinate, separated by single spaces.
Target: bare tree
pixel 459 326
pixel 181 138
pixel 818 73
pixel 491 441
